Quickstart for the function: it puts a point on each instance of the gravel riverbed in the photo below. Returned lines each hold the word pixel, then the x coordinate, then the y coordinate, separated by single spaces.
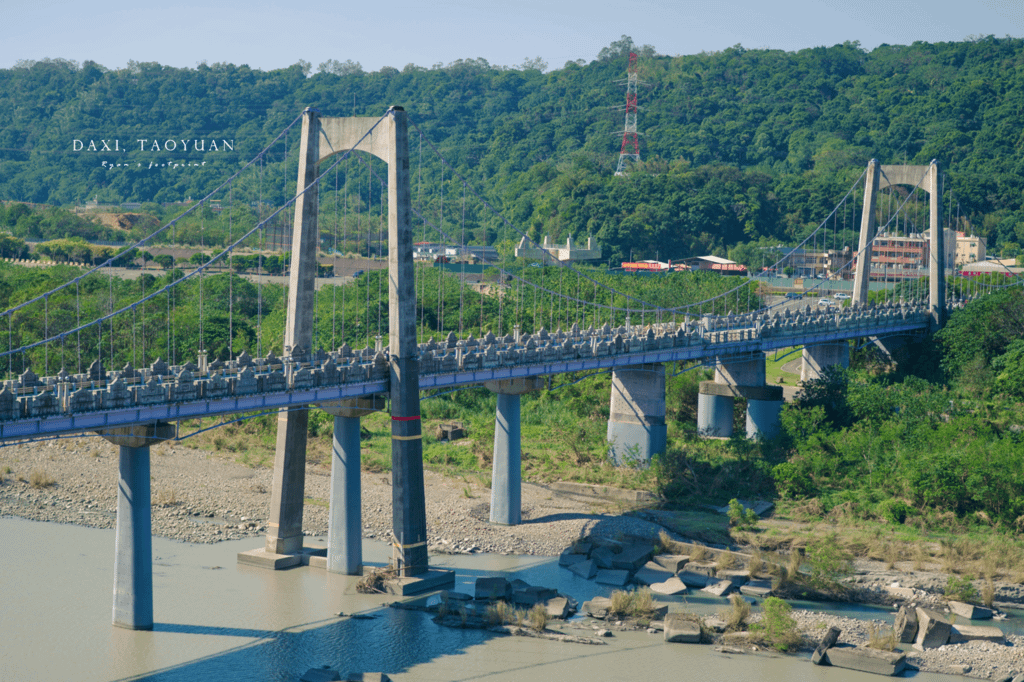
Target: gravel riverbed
pixel 199 496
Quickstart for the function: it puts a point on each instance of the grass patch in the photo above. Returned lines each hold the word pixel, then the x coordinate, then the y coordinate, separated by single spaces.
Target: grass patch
pixel 502 613
pixel 166 497
pixel 538 617
pixel 883 639
pixel 737 614
pixel 777 628
pixel 637 604
pixel 39 478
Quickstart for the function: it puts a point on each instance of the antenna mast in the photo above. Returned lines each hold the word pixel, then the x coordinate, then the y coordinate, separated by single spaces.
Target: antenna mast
pixel 629 134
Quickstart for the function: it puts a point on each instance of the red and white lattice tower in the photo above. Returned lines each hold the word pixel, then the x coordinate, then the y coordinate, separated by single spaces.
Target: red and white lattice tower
pixel 630 144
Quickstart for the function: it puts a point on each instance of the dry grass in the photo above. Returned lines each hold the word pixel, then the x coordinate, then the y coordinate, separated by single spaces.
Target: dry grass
pixel 373 582
pixel 726 561
pixel 166 497
pixel 737 614
pixel 637 604
pixel 892 554
pixel 755 564
pixel 883 639
pixel 671 546
pixel 502 613
pixel 39 478
pixel 988 593
pixel 538 617
pixel 699 552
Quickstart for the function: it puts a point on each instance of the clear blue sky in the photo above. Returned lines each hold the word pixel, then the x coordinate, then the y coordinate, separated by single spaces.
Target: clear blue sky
pixel 269 34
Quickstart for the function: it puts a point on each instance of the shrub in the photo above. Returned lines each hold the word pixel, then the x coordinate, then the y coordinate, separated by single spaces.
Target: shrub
pixel 632 604
pixel 502 613
pixel 988 593
pixel 777 627
pixel 538 617
pixel 40 479
pixel 737 614
pixel 881 638
pixel 741 517
pixel 961 589
pixel 829 562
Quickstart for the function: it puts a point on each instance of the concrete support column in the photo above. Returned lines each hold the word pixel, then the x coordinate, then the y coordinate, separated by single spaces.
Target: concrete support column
pixel 763 407
pixel 817 358
pixel 738 378
pixel 714 412
pixel 507 471
pixel 636 422
pixel 133 545
pixel 715 409
pixel 345 518
pixel 284 526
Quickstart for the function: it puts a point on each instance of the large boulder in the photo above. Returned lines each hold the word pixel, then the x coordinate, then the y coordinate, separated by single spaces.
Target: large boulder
pixel 672 562
pixel 693 580
pixel 826 643
pixel 633 557
pixel 670 587
pixel 584 569
pixel 533 594
pixel 615 578
pixel 680 627
pixel 557 607
pixel 493 589
pixel 596 607
pixel 719 588
pixel 652 573
pixel 568 558
pixel 932 630
pixel 757 588
pixel 867 660
pixel 707 568
pixel 905 626
pixel 966 633
pixel 970 611
pixel 603 556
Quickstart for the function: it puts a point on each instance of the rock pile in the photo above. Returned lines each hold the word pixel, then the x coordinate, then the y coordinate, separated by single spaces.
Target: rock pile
pixel 619 564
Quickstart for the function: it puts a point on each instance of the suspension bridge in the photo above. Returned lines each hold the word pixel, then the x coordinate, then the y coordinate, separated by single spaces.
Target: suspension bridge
pixel 906 289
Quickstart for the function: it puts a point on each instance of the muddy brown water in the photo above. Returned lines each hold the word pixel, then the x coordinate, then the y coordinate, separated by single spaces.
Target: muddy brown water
pixel 216 620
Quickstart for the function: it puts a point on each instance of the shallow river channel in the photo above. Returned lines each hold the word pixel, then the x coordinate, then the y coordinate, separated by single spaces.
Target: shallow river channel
pixel 216 620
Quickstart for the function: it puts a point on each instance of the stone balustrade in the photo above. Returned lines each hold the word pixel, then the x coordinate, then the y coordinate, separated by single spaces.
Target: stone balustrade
pixel 97 389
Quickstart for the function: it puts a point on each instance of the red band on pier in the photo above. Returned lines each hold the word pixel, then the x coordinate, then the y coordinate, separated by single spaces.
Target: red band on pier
pixel 405 419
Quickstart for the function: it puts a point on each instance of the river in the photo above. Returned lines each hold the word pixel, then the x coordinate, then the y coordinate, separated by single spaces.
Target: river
pixel 216 620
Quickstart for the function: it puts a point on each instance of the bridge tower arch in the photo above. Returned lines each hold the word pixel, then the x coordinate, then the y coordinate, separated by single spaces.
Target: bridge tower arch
pixel 928 179
pixel 387 139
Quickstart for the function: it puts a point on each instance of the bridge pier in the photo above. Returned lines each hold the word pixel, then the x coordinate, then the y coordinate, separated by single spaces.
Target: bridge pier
pixel 133 546
pixel 636 419
pixel 345 517
pixel 507 471
pixel 743 379
pixel 819 357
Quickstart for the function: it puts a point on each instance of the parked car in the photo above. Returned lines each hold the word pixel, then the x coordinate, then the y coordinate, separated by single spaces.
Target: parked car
pixel 840 296
pixel 794 294
pixel 824 301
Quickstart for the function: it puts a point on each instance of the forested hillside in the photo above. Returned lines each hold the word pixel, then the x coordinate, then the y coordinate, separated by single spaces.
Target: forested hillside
pixel 738 144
